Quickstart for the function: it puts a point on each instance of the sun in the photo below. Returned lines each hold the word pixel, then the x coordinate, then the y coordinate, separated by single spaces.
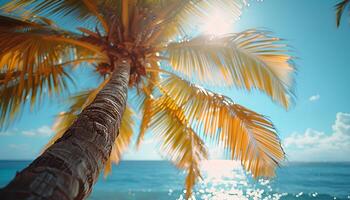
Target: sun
pixel 217 23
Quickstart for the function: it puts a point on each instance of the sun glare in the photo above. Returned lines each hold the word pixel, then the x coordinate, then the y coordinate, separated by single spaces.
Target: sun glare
pixel 226 179
pixel 217 24
pixel 220 168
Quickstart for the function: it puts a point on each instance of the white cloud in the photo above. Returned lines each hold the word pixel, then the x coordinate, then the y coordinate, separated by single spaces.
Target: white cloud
pixel 315 97
pixel 313 145
pixel 43 131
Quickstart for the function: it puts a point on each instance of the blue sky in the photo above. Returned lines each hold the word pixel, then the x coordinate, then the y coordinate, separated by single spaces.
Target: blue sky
pixel 316 128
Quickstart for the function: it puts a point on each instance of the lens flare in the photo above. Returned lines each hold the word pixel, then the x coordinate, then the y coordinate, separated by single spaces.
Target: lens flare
pixel 217 23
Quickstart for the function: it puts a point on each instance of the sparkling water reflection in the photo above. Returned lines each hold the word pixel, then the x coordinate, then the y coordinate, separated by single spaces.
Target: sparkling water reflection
pixel 226 180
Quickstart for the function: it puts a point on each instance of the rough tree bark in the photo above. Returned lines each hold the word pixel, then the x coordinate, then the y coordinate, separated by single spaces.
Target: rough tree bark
pixel 69 168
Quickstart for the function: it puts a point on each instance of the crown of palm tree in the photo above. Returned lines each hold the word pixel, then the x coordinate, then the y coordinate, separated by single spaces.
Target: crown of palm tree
pixel 35 55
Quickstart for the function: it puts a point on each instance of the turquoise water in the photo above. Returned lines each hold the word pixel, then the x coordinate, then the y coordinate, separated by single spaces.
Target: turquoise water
pixel 158 180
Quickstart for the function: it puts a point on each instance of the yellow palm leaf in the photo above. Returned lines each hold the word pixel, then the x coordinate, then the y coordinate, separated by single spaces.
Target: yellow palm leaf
pixel 31 63
pixel 12 23
pixel 127 13
pixel 146 118
pixel 27 45
pixel 147 102
pixel 173 18
pixel 84 10
pixel 18 87
pixel 249 136
pixel 178 141
pixel 177 18
pixel 250 59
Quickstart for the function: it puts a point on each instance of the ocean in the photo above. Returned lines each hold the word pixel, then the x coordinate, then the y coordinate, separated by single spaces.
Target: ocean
pixel 222 180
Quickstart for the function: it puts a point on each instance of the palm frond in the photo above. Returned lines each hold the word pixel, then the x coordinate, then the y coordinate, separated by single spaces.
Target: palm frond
pixel 32 57
pixel 41 43
pixel 30 51
pixel 179 18
pixel 178 140
pixel 83 10
pixel 340 7
pixel 246 135
pixel 250 59
pixel 18 87
pixel 147 102
pixel 194 12
pixel 13 23
pixel 146 118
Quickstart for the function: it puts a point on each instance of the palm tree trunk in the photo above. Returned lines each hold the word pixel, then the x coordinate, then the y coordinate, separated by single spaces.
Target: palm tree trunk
pixel 69 168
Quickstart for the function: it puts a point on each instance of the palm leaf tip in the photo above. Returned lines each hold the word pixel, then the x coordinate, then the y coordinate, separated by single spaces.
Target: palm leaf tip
pixel 340 7
pixel 263 149
pixel 147 102
pixel 178 140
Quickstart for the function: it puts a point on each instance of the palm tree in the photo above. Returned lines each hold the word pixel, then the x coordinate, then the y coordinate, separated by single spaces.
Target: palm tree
pixel 340 7
pixel 144 45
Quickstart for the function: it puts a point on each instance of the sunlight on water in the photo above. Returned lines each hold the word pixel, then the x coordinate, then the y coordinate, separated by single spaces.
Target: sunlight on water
pixel 222 180
pixel 227 180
